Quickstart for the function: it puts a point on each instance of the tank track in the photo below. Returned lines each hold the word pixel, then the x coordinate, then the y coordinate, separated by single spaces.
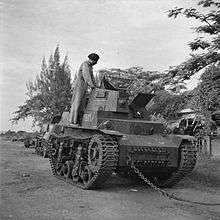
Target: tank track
pixel 107 165
pixel 188 157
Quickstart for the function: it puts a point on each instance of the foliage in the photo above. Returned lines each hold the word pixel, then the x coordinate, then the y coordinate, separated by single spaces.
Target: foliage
pixel 208 41
pixel 165 103
pixel 168 105
pixel 49 94
pixel 206 97
pixel 134 79
pixel 159 118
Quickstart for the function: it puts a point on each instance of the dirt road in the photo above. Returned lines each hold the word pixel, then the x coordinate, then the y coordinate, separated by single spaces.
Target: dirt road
pixel 29 191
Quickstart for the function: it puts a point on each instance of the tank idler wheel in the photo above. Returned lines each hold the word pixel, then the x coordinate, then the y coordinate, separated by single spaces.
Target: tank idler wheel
pixel 68 169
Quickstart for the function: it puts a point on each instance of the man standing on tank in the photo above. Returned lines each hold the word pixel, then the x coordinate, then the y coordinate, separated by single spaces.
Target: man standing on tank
pixel 84 80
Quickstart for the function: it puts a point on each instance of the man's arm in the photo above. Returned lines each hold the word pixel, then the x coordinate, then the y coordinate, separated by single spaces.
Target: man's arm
pixel 88 75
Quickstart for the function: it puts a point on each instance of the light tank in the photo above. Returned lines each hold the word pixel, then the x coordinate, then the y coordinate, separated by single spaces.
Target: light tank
pixel 113 137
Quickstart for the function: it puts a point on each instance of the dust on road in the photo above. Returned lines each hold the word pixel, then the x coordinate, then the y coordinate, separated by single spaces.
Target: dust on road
pixel 29 192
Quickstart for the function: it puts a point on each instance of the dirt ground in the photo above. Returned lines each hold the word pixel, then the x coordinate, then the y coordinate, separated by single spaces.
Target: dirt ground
pixel 29 192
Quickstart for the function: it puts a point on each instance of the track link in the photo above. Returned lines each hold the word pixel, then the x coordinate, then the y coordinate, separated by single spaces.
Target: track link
pixel 188 157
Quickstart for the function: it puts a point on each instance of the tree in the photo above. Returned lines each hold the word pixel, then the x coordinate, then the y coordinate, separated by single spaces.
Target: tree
pixel 134 79
pixel 49 94
pixel 206 97
pixel 168 104
pixel 208 41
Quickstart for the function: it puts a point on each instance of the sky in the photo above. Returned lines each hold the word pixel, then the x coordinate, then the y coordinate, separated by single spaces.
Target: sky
pixel 124 33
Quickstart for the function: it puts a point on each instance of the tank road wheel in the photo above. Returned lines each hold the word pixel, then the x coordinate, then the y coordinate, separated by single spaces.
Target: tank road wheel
pixel 45 151
pixel 52 154
pixel 75 173
pixel 187 162
pixel 61 169
pixel 36 150
pixel 82 172
pixel 102 161
pixel 36 146
pixel 68 169
pixel 27 143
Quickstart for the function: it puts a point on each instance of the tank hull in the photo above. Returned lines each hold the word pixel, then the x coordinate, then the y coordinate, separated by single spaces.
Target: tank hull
pixel 97 153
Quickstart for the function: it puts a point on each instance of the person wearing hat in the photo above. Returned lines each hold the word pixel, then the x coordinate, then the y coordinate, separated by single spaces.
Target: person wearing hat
pixel 83 80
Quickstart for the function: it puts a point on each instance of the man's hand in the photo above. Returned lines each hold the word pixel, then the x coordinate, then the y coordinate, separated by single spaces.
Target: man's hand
pixel 90 88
